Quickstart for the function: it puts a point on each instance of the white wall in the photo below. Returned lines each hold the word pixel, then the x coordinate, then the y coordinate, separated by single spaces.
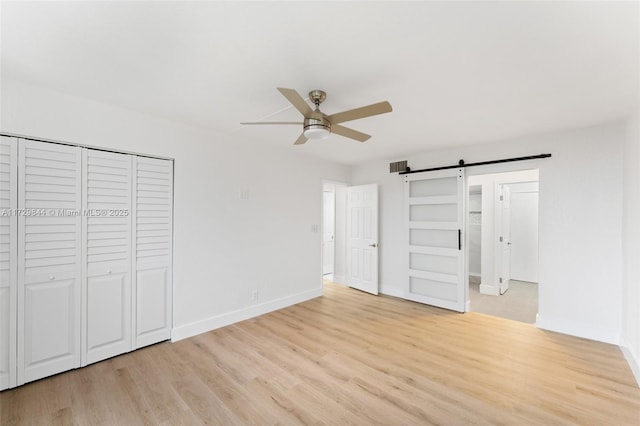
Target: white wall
pixel 631 245
pixel 580 222
pixel 224 247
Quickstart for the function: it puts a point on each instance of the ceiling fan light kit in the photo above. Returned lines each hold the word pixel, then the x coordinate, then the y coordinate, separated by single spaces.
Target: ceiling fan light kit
pixel 316 129
pixel 318 125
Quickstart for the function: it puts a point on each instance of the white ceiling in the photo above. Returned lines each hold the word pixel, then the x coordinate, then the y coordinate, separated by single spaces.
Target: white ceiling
pixel 456 73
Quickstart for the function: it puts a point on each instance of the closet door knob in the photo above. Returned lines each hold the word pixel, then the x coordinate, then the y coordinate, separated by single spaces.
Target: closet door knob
pixel 108 271
pixel 52 277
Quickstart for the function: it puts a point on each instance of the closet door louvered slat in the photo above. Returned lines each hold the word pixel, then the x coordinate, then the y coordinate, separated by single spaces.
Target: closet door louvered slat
pixel 8 259
pixel 49 259
pixel 107 260
pixel 153 183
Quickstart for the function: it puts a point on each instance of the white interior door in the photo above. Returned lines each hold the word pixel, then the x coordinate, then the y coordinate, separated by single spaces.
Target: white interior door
pixel 328 231
pixel 49 259
pixel 504 239
pixel 106 301
pixel 434 203
pixel 362 237
pixel 8 259
pixel 153 230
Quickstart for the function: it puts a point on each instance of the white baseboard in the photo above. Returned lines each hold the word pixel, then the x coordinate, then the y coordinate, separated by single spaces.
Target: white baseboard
pixel 578 330
pixel 340 279
pixel 474 274
pixel 392 290
pixel 218 321
pixel 490 290
pixel 633 361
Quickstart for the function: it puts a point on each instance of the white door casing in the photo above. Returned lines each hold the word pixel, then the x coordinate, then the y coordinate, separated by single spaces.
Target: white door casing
pixel 107 265
pixel 153 245
pixel 362 237
pixel 503 240
pixel 435 217
pixel 328 232
pixel 49 258
pixel 8 259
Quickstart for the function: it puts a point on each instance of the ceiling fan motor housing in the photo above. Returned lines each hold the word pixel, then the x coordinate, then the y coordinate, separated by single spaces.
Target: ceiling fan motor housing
pixel 317 127
pixel 317 96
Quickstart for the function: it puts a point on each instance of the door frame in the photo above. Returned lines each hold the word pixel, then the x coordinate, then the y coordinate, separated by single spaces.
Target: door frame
pixel 505 174
pixel 502 237
pixel 328 189
pixel 339 243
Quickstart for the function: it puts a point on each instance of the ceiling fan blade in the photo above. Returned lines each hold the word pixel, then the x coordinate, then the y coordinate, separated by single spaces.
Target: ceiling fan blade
pixel 271 122
pixel 297 101
pixel 362 112
pixel 302 139
pixel 349 133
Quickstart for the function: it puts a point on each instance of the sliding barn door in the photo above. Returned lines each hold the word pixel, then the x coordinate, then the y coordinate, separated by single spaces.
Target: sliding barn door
pixel 434 203
pixel 106 304
pixel 153 223
pixel 49 258
pixel 8 259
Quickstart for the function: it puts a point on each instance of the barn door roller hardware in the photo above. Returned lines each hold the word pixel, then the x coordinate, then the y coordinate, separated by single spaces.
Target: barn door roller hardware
pixel 461 163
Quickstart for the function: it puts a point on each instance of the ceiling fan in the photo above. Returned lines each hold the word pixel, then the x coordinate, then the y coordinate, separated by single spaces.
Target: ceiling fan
pixel 318 125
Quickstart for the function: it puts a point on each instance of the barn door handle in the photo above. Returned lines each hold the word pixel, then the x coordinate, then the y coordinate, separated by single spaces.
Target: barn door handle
pixel 459 239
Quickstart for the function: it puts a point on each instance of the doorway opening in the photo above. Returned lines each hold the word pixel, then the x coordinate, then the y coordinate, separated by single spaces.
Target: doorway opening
pixel 334 198
pixel 328 231
pixel 502 230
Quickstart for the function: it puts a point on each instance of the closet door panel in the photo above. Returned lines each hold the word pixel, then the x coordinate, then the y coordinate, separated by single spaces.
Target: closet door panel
pixel 49 259
pixel 153 249
pixel 8 259
pixel 107 259
pixel 50 332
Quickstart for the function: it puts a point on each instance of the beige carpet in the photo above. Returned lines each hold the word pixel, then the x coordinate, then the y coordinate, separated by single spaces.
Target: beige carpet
pixel 519 303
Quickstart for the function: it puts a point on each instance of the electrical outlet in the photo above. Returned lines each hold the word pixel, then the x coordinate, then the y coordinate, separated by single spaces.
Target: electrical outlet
pixel 254 295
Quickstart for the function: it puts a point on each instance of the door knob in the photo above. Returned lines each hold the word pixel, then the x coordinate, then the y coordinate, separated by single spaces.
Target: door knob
pixel 52 277
pixel 373 245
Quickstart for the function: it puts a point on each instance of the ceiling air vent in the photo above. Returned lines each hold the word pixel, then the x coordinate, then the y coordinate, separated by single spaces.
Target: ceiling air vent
pixel 398 166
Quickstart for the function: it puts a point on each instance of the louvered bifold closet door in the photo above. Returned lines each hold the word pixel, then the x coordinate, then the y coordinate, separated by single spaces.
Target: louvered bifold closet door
pixel 107 260
pixel 8 259
pixel 153 229
pixel 49 259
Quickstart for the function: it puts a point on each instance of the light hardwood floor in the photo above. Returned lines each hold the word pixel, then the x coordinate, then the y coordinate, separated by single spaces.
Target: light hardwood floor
pixel 346 358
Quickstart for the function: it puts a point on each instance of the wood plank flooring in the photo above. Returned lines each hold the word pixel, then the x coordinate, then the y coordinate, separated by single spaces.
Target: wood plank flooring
pixel 346 358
